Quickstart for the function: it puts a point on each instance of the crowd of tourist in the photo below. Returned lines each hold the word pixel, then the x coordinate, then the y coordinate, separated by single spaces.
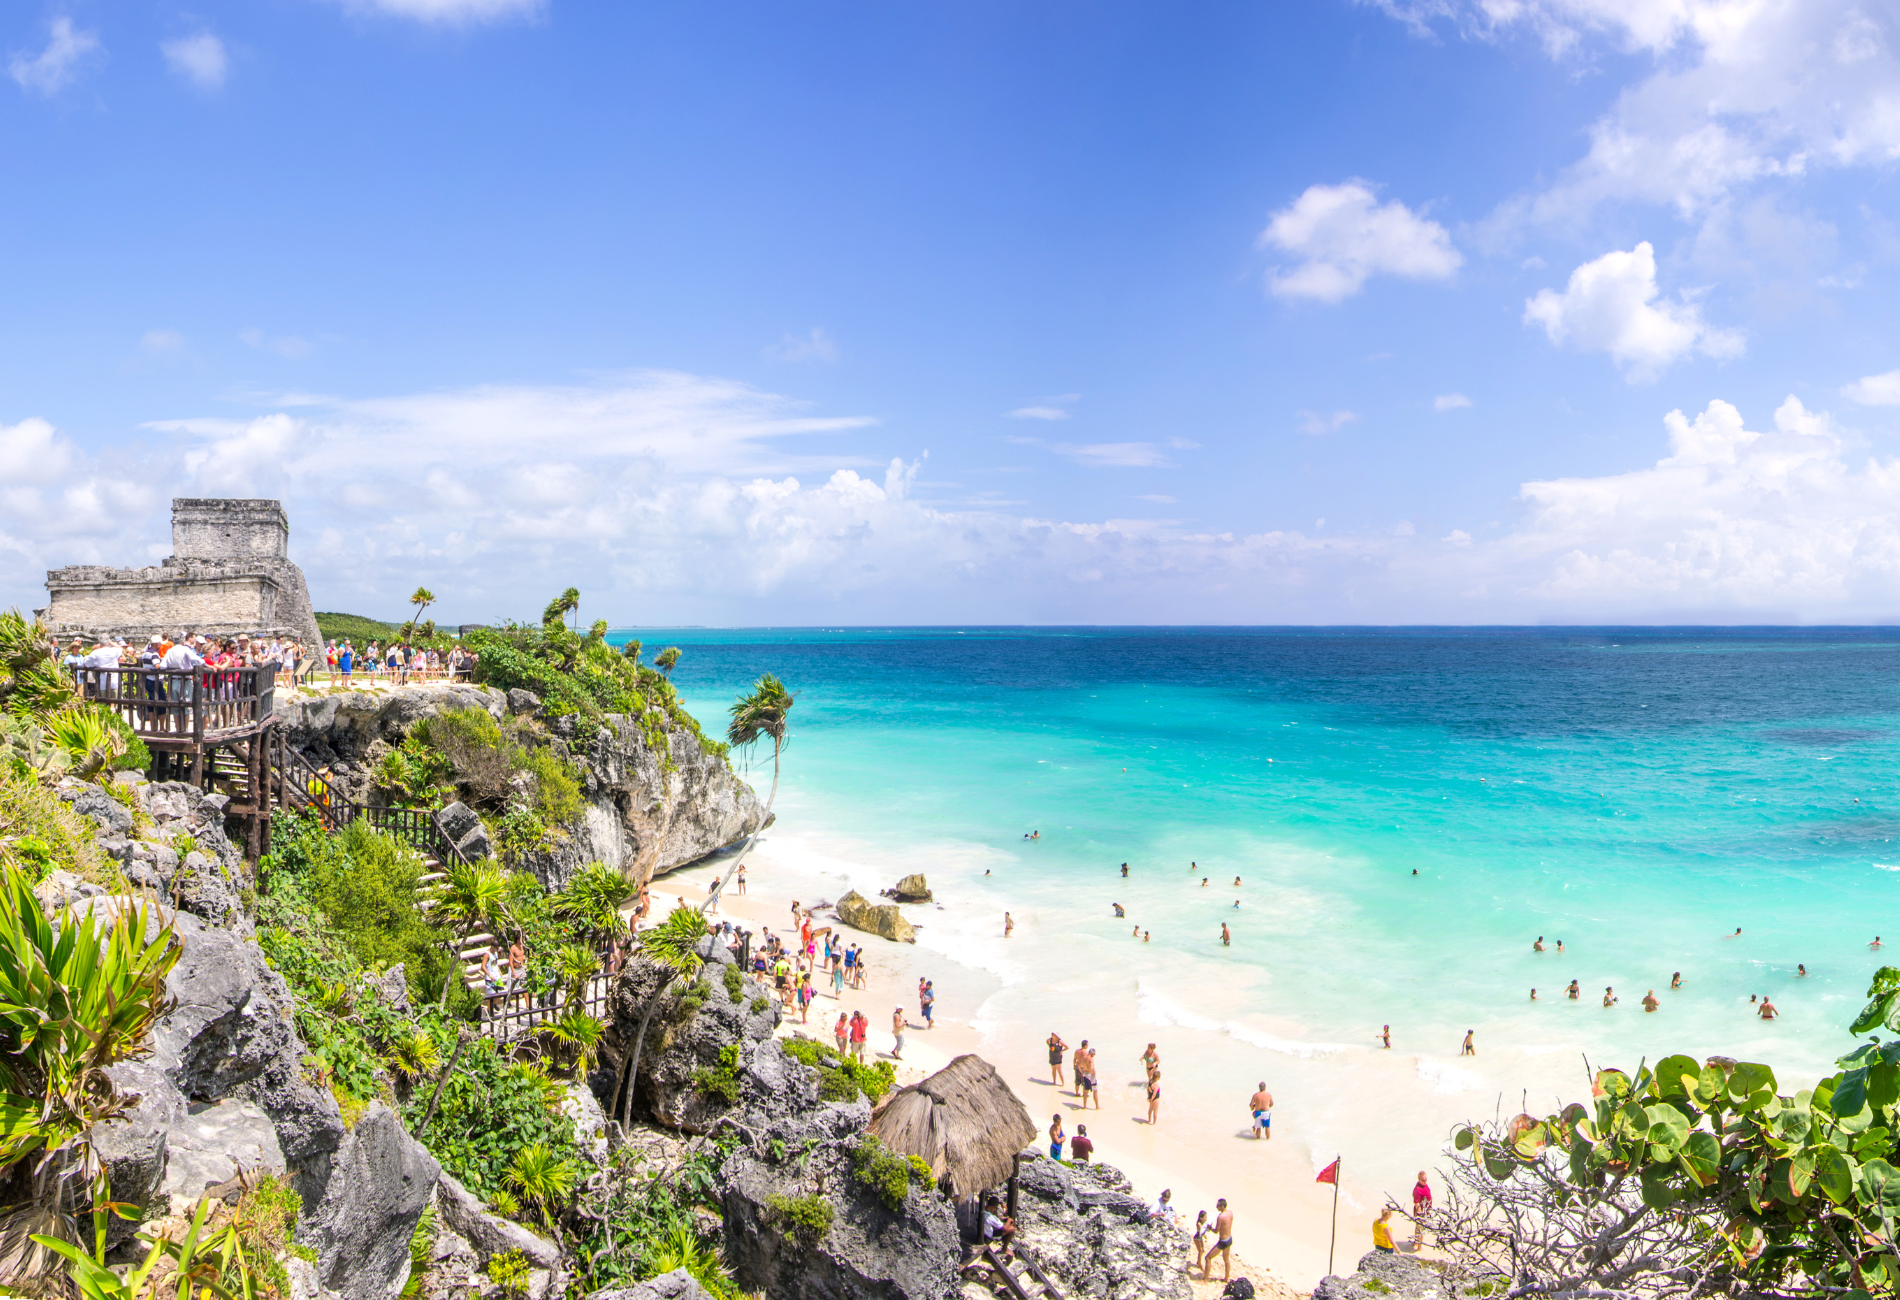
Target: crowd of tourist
pixel 103 664
pixel 397 662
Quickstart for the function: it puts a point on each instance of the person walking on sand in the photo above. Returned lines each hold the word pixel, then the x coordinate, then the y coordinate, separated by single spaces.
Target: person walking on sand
pixel 928 1000
pixel 1470 1048
pixel 1421 1208
pixel 1056 1048
pixel 1223 1243
pixel 1261 1104
pixel 897 1032
pixel 837 978
pixel 1201 1226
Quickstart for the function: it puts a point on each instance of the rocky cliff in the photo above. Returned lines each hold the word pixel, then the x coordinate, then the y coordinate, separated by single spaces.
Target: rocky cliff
pixel 652 801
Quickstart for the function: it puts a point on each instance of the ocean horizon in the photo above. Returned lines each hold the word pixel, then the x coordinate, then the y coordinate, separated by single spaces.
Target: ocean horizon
pixel 1407 811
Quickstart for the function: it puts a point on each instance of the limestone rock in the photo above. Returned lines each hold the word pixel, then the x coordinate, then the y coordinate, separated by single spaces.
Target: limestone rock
pixel 524 701
pixel 677 1285
pixel 911 889
pixel 379 1183
pixel 488 1235
pixel 1385 1277
pixel 136 1147
pixel 213 1143
pixel 860 913
pixel 1093 1238
pixel 61 889
pixel 672 1053
pixel 462 828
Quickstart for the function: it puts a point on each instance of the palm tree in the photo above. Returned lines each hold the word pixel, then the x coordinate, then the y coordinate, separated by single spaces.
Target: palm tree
pixel 594 897
pixel 474 894
pixel 765 712
pixel 561 606
pixel 422 598
pixel 665 660
pixel 674 943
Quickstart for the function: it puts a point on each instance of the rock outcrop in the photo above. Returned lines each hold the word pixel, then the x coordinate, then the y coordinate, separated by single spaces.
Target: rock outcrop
pixel 860 913
pixel 1087 1230
pixel 649 803
pixel 483 1236
pixel 677 1285
pixel 1386 1277
pixel 377 1187
pixel 146 846
pixel 911 889
pixel 692 1025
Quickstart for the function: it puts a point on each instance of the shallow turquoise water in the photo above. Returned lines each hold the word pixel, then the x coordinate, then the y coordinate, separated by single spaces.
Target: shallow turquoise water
pixel 1638 794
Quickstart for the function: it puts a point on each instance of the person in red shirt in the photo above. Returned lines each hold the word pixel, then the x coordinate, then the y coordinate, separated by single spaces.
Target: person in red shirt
pixel 1421 1206
pixel 860 1023
pixel 1080 1148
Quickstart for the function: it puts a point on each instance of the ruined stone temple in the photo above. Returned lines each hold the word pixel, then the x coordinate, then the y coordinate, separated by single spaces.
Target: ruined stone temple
pixel 229 572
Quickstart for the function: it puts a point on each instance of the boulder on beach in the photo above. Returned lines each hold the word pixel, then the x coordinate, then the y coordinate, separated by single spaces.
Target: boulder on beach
pixel 860 913
pixel 911 889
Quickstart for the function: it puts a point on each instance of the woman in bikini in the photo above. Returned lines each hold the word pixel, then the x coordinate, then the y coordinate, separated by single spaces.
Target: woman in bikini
pixel 1056 1138
pixel 1154 1098
pixel 1200 1237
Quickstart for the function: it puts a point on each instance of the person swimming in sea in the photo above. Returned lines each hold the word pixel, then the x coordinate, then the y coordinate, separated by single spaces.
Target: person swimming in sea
pixel 1226 939
pixel 1118 910
pixel 1135 933
pixel 1236 882
pixel 1767 1011
pixel 1124 871
pixel 1203 882
pixel 1675 981
pixel 1573 992
pixel 1236 904
pixel 1144 936
pixel 1533 995
pixel 1801 972
pixel 1560 947
pixel 1609 996
pixel 1539 945
pixel 1875 943
pixel 1649 1001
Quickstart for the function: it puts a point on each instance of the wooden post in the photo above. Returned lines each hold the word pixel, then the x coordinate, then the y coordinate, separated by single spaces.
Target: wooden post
pixel 260 798
pixel 1015 1167
pixel 197 729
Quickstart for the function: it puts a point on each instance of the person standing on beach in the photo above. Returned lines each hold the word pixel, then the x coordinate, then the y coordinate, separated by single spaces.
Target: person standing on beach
pixel 860 1030
pixel 740 877
pixel 1226 939
pixel 837 978
pixel 1223 1243
pixel 1055 1136
pixel 1385 1034
pixel 1154 1098
pixel 1261 1104
pixel 1382 1232
pixel 1009 925
pixel 928 999
pixel 1151 1060
pixel 1080 1148
pixel 1056 1048
pixel 1470 1049
pixel 1421 1208
pixel 841 1032
pixel 1085 1076
pixel 897 1032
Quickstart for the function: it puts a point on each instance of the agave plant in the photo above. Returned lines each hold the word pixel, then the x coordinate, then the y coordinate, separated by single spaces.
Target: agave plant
pixel 414 1056
pixel 577 1036
pixel 73 1001
pixel 32 681
pixel 595 896
pixel 28 754
pixel 211 1267
pixel 91 736
pixel 541 1180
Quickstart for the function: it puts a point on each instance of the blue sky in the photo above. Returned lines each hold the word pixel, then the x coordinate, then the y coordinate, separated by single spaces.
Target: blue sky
pixel 1447 311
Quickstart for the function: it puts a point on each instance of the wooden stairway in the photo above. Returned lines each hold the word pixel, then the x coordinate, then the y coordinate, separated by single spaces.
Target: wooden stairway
pixel 1012 1282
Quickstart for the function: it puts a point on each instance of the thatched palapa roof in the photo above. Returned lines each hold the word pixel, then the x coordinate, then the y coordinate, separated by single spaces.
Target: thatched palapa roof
pixel 963 1120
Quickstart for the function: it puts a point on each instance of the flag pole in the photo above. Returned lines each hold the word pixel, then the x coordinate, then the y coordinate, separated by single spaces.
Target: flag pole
pixel 1330 1241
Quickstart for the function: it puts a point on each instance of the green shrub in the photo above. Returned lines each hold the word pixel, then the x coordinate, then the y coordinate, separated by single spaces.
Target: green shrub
pixel 491 1108
pixel 721 1081
pixel 735 983
pixel 759 1004
pixel 808 1218
pixel 875 1167
pixel 557 791
pixel 841 1078
pixel 43 834
pixel 509 1271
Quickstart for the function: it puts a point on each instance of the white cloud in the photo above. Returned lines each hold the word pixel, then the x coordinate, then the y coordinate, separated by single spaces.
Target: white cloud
pixel 1742 92
pixel 1319 423
pixel 1343 235
pixel 1875 390
pixel 452 11
pixel 1122 455
pixel 57 64
pixel 1038 413
pixel 290 345
pixel 668 496
pixel 199 59
pixel 1450 401
pixel 160 343
pixel 815 346
pixel 1613 305
pixel 1158 498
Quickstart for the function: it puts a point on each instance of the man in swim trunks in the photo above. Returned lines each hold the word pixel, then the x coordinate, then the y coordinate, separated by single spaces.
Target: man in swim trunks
pixel 1226 939
pixel 897 1031
pixel 1056 1048
pixel 1649 1001
pixel 1470 1048
pixel 1768 1011
pixel 1223 1243
pixel 1084 1063
pixel 1261 1104
pixel 1539 945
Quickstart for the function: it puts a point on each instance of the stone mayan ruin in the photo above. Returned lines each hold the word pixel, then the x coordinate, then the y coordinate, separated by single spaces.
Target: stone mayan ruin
pixel 229 573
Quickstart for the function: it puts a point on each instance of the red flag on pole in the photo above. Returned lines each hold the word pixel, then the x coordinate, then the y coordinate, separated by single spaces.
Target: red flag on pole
pixel 1330 1174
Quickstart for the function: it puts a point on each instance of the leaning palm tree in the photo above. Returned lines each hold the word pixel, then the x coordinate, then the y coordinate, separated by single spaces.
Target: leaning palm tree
pixel 594 897
pixel 666 660
pixel 475 891
pixel 765 712
pixel 674 944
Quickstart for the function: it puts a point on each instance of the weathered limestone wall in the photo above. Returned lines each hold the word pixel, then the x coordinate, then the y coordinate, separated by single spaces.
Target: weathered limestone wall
pixel 231 574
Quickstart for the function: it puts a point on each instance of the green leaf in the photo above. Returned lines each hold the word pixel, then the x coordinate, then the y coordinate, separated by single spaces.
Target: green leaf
pixel 1611 1083
pixel 1883 1085
pixel 1835 1174
pixel 1800 1173
pixel 1677 1076
pixel 1668 1128
pixel 1701 1157
pixel 1751 1086
pixel 1711 1087
pixel 1464 1138
pixel 1657 1193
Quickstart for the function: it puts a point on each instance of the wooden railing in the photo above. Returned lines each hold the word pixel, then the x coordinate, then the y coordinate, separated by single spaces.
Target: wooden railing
pixel 302 786
pixel 185 705
pixel 511 1014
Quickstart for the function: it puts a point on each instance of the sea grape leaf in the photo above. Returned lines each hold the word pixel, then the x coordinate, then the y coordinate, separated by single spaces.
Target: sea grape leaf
pixel 1800 1173
pixel 1792 1126
pixel 1464 1138
pixel 1883 1085
pixel 1751 1086
pixel 1834 1174
pixel 1610 1083
pixel 1668 1128
pixel 1701 1157
pixel 1657 1193
pixel 1711 1086
pixel 1677 1076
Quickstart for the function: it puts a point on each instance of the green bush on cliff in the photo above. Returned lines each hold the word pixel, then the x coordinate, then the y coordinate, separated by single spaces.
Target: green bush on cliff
pixel 840 1078
pixel 492 1109
pixel 40 834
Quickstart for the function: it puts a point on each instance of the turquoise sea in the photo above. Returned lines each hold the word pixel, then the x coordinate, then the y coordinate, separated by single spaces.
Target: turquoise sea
pixel 1407 811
